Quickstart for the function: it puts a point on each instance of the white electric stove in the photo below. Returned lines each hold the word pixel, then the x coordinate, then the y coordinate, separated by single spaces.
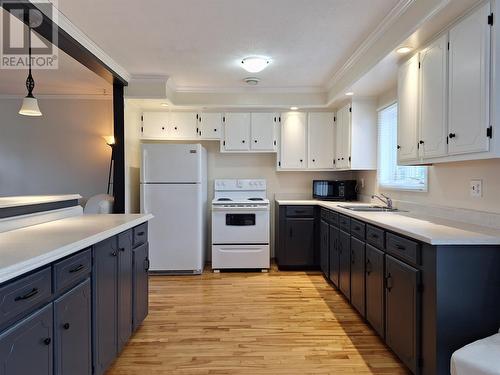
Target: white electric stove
pixel 240 225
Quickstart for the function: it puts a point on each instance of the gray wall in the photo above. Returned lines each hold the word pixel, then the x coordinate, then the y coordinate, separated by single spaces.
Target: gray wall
pixel 60 152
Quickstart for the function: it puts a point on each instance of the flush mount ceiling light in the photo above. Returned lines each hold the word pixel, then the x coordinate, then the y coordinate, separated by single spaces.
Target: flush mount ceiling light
pixel 254 64
pixel 404 50
pixel 30 103
pixel 294 108
pixel 252 81
pixel 350 93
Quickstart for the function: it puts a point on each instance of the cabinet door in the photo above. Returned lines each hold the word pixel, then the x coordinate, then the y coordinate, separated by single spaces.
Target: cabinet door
pixel 408 74
pixel 141 285
pixel 402 305
pixel 182 125
pixel 358 275
pixel 469 80
pixel 375 289
pixel 324 247
pixel 27 348
pixel 263 131
pixel 345 264
pixel 210 125
pixel 293 140
pixel 321 146
pixel 343 137
pixel 237 131
pixel 72 320
pixel 105 304
pixel 155 124
pixel 433 99
pixel 299 247
pixel 334 255
pixel 124 288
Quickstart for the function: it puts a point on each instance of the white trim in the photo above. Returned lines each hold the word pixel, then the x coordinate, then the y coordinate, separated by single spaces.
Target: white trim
pixel 59 96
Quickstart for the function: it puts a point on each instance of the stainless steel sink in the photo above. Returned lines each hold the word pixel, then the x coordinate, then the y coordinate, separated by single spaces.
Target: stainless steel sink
pixel 369 208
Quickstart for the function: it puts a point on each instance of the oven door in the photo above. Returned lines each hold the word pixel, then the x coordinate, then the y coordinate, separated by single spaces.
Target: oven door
pixel 240 225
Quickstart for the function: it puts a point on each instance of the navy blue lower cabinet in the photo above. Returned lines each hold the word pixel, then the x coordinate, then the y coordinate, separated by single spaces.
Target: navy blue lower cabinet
pixel 358 275
pixel 324 247
pixel 345 264
pixel 124 288
pixel 334 255
pixel 402 311
pixel 375 306
pixel 140 285
pixel 105 304
pixel 72 331
pixel 27 347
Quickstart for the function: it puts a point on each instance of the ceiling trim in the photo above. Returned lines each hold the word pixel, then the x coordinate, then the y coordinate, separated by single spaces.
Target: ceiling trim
pixel 61 96
pixel 384 25
pixel 249 89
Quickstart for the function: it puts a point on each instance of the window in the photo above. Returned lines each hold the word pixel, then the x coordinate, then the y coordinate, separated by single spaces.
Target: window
pixel 390 174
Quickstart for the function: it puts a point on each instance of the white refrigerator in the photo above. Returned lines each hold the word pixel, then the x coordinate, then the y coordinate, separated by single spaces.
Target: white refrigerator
pixel 174 190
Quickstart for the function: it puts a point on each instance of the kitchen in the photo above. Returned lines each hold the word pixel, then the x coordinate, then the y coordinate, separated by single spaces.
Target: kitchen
pixel 315 199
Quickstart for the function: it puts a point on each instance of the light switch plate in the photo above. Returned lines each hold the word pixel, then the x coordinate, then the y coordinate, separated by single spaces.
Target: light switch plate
pixel 476 188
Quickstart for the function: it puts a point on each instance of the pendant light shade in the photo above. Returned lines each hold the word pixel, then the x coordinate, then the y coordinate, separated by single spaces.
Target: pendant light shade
pixel 30 107
pixel 30 103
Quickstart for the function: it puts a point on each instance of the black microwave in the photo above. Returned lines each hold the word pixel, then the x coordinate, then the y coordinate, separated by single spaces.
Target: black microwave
pixel 341 190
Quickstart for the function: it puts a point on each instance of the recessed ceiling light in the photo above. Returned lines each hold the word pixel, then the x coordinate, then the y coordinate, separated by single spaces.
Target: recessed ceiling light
pixel 350 93
pixel 164 104
pixel 404 50
pixel 252 81
pixel 294 108
pixel 254 64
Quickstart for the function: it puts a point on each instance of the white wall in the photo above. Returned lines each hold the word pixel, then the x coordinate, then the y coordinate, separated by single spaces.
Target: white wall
pixel 60 152
pixel 448 183
pixel 132 156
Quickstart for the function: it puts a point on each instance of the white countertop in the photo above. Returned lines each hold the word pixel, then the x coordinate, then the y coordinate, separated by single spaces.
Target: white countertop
pixel 23 250
pixel 434 231
pixel 6 202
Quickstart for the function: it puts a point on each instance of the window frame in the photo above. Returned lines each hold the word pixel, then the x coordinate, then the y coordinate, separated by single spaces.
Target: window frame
pixel 396 186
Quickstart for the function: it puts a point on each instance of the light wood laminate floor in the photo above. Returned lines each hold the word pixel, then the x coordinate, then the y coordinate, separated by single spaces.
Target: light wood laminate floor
pixel 252 323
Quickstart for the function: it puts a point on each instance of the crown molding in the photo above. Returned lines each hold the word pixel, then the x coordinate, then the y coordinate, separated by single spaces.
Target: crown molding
pixel 375 35
pixel 60 97
pixel 250 89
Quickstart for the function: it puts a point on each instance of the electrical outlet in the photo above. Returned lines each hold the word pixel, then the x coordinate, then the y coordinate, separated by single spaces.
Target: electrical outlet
pixel 476 188
pixel 362 183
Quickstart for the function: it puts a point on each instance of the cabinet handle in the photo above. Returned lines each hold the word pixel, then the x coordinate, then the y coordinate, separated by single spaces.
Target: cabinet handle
pixel 388 282
pixel 243 141
pixel 200 133
pixel 66 326
pixel 76 269
pixel 368 267
pixel 197 130
pixel 114 253
pixel 140 234
pixel 28 295
pixel 421 142
pixel 122 249
pixel 255 141
pixel 162 128
pixel 47 341
pixel 400 247
pixel 399 147
pixel 301 160
pixel 146 264
pixel 452 135
pixel 175 127
pixel 200 118
pixel 314 160
pixel 215 129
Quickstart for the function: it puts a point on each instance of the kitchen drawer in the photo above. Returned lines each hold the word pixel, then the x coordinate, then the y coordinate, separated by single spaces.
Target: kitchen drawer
pixel 345 223
pixel 24 295
pixel 375 236
pixel 403 248
pixel 140 234
pixel 325 215
pixel 70 271
pixel 358 229
pixel 300 211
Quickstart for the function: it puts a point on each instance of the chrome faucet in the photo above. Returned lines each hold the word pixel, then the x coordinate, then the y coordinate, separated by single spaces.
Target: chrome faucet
pixel 387 201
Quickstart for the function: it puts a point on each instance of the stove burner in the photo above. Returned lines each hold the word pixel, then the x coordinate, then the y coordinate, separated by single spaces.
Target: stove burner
pixel 224 199
pixel 255 199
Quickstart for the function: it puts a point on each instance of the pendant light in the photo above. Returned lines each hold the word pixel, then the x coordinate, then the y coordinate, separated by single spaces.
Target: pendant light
pixel 30 103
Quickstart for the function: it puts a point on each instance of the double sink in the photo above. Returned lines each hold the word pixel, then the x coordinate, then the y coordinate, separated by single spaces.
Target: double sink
pixel 369 208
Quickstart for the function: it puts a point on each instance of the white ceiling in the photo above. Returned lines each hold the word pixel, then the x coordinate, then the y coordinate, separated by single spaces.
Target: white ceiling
pixel 198 43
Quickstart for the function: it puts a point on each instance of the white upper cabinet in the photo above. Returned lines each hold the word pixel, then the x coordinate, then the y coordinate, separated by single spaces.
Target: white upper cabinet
pixel 321 128
pixel 155 124
pixel 293 140
pixel 264 131
pixel 182 125
pixel 343 137
pixel 469 80
pixel 209 125
pixel 408 80
pixel 236 132
pixel 433 99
